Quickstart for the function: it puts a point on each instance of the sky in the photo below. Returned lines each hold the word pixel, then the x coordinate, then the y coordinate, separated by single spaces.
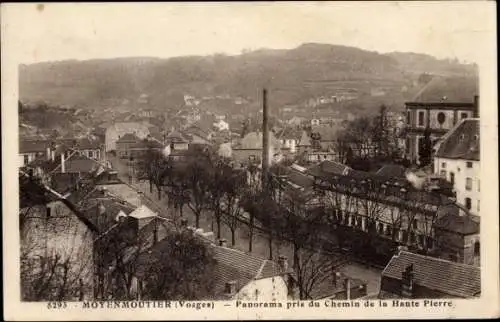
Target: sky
pixel 87 31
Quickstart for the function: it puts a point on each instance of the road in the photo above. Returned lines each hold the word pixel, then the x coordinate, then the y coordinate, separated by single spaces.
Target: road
pixel 260 244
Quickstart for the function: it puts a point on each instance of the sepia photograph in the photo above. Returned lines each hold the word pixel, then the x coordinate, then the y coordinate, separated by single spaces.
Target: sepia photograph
pixel 250 157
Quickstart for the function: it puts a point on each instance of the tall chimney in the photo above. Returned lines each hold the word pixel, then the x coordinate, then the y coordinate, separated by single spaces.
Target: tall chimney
pixel 265 140
pixel 63 165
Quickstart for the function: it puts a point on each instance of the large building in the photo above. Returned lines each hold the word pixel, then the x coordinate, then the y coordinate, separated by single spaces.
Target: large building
pixel 439 117
pixel 117 130
pixel 457 159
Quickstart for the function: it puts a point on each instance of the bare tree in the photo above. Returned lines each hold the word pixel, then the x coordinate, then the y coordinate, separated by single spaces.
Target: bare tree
pixel 314 268
pixel 180 267
pixel 233 190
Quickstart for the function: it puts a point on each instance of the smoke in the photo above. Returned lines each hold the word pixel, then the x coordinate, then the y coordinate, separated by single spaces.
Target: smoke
pixel 416 181
pixel 225 150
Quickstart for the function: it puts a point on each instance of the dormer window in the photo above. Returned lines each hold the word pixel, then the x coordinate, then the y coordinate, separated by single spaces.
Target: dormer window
pixel 462 137
pixel 476 137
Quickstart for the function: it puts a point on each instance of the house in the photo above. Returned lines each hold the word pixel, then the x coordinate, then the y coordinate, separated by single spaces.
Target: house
pixel 29 150
pixel 289 138
pixel 410 275
pixel 305 143
pixel 457 159
pixel 296 121
pixel 177 141
pixel 438 116
pixel 326 136
pixel 131 146
pixel 221 125
pixel 249 149
pixel 56 245
pixel 457 237
pixel 117 130
pixel 90 148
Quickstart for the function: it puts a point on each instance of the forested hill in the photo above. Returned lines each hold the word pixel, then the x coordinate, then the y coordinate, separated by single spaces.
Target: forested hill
pixel 293 76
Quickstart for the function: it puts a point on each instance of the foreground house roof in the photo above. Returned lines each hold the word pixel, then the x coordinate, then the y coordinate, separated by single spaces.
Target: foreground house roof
pixel 32 146
pixel 437 274
pixel 235 265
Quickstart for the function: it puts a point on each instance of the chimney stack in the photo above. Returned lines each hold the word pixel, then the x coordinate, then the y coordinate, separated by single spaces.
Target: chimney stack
pixel 283 263
pixel 407 282
pixel 63 165
pixel 265 139
pixel 347 286
pixel 230 288
pixel 476 106
pixel 223 242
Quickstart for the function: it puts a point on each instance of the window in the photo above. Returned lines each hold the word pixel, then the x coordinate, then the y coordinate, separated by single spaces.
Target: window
pixel 443 173
pixel 463 115
pixel 452 178
pixel 468 184
pixel 414 224
pixel 26 159
pixel 477 249
pixel 421 118
pixel 469 164
pixel 478 186
pixel 478 206
pixel 443 165
pixel 468 203
pixel 441 117
pixel 408 117
pixel 97 154
pixel 91 154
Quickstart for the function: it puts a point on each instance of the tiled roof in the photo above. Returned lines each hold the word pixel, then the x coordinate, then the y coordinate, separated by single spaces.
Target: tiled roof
pixel 128 137
pixel 235 265
pixel 392 170
pixel 453 222
pixel 26 146
pixel 176 137
pixel 462 143
pixel 300 179
pixel 455 89
pixel 436 274
pixel 328 168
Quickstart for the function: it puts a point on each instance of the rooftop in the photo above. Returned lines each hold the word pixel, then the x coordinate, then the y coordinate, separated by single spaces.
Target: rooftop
pixel 452 221
pixel 327 167
pixel 462 142
pixel 437 274
pixel 31 146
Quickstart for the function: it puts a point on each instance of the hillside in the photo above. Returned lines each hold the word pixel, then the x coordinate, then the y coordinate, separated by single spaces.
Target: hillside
pixel 292 76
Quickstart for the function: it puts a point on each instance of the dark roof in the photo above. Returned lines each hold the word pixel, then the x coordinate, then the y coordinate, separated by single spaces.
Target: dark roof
pixel 176 137
pixel 392 170
pixel 77 163
pixel 26 146
pixel 82 143
pixel 328 168
pixel 300 179
pixel 462 142
pixel 453 222
pixel 289 133
pixel 111 207
pixel 32 193
pixel 455 89
pixel 437 274
pixel 128 137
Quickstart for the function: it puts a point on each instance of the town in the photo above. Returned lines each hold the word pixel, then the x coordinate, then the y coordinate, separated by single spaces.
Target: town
pixel 205 206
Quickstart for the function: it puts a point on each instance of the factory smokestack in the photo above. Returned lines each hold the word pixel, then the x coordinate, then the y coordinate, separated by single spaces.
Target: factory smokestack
pixel 265 140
